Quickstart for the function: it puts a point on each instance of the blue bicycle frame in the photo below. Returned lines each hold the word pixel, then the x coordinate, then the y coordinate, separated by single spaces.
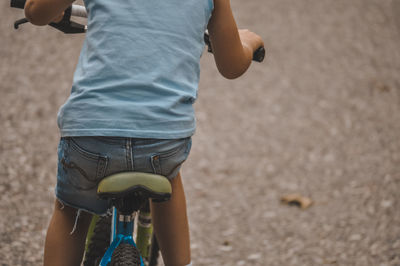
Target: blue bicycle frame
pixel 122 232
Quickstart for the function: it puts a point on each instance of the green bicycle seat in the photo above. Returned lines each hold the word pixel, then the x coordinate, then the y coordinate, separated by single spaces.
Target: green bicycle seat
pixel 127 183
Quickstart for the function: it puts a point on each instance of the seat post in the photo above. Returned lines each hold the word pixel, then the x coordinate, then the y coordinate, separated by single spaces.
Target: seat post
pixel 125 225
pixel 129 204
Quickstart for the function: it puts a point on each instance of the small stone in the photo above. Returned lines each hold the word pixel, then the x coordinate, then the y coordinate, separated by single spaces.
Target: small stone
pixel 386 204
pixel 269 214
pixel 374 249
pixel 355 237
pixel 270 168
pixel 225 248
pixel 255 256
pixel 329 158
pixel 396 245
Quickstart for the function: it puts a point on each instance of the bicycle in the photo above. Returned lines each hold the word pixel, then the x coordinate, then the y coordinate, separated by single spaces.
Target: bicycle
pixel 110 239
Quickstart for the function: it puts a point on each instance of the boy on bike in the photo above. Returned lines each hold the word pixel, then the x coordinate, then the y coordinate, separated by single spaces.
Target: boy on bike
pixel 130 108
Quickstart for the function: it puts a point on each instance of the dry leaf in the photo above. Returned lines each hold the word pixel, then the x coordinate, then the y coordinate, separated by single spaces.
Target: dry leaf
pixel 297 200
pixel 380 86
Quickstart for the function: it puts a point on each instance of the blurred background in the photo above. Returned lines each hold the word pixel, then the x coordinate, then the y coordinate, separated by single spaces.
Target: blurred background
pixel 319 118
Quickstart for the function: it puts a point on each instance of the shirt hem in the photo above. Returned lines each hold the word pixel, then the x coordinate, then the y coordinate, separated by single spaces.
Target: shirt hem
pixel 128 133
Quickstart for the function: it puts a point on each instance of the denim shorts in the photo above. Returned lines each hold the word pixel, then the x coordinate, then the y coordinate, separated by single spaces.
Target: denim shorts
pixel 84 161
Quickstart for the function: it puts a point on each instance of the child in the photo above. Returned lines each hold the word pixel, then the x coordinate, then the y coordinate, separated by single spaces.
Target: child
pixel 130 108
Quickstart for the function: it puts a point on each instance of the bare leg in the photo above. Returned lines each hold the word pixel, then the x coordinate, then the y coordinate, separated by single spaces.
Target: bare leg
pixel 62 248
pixel 171 226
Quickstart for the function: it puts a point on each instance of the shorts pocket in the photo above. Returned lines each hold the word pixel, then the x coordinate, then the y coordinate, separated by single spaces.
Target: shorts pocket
pixel 83 168
pixel 168 162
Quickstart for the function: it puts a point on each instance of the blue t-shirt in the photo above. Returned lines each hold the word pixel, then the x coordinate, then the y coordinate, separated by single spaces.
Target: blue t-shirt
pixel 138 70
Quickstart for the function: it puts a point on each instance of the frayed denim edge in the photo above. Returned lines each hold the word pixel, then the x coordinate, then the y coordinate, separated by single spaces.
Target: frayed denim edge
pixel 78 212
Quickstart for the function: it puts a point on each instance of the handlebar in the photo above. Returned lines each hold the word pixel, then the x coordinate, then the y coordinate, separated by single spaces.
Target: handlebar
pixel 65 25
pixel 70 27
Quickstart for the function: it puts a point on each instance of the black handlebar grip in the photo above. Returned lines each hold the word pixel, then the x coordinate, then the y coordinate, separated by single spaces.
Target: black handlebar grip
pixel 18 3
pixel 259 54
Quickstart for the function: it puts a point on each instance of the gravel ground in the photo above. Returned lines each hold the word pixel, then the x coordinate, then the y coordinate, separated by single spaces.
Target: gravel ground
pixel 320 118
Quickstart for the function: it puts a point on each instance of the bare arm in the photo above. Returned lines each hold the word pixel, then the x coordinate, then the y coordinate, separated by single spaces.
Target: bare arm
pixel 233 49
pixel 42 12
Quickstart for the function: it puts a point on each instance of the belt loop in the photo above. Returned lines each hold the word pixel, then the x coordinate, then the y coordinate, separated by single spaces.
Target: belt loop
pixel 129 154
pixel 131 151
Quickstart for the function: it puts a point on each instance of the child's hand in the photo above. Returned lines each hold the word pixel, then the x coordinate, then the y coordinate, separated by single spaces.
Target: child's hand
pixel 59 18
pixel 43 12
pixel 250 40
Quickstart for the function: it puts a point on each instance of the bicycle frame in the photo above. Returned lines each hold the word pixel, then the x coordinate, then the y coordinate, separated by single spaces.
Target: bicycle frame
pixel 122 232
